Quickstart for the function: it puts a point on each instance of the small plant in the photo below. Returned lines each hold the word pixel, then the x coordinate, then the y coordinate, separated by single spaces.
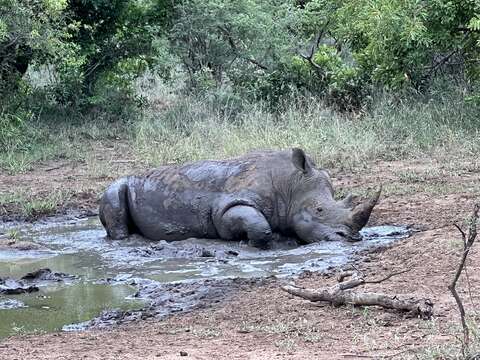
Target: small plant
pixel 13 234
pixel 286 344
pixel 34 208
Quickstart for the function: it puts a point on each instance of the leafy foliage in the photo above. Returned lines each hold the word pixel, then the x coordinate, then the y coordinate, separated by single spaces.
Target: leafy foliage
pixel 256 49
pixel 401 43
pixel 113 43
pixel 336 48
pixel 235 41
pixel 30 32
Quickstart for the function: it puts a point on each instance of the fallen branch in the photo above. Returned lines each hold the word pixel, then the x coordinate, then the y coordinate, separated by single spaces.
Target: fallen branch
pixel 123 161
pixel 340 294
pixel 468 240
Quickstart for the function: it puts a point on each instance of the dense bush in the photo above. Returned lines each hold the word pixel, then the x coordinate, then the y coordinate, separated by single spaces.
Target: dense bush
pixel 30 33
pixel 333 48
pixel 268 50
pixel 114 43
pixel 409 42
pixel 95 47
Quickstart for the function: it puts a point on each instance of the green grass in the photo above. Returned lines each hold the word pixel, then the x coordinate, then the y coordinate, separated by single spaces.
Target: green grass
pixel 180 128
pixel 30 207
pixel 56 135
pixel 33 208
pixel 13 234
pixel 194 128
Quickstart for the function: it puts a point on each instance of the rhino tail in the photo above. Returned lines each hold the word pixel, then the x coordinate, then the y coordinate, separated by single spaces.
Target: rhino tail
pixel 114 212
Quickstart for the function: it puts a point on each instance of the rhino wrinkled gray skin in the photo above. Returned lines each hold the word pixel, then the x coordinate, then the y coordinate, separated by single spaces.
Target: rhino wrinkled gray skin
pixel 256 197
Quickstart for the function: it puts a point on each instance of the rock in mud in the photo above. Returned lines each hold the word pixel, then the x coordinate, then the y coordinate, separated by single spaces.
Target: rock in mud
pixel 47 275
pixel 14 287
pixel 30 282
pixel 11 304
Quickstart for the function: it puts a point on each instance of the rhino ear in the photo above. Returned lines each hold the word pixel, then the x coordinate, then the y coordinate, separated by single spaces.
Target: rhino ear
pixel 301 161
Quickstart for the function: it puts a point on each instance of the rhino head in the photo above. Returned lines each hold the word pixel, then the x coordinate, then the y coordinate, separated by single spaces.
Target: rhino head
pixel 314 214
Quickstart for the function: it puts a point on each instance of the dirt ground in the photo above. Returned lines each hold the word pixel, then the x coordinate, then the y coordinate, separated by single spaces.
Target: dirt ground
pixel 262 321
pixel 65 185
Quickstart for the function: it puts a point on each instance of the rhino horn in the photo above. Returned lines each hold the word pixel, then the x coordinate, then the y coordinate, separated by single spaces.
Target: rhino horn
pixel 361 212
pixel 347 202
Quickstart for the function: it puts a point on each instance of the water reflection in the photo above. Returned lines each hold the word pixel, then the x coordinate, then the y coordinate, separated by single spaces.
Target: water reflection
pixel 51 308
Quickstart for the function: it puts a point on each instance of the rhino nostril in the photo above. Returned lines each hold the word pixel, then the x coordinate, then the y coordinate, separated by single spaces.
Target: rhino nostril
pixel 340 233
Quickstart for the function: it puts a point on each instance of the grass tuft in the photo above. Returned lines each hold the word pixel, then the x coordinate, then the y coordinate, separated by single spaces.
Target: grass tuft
pixel 32 207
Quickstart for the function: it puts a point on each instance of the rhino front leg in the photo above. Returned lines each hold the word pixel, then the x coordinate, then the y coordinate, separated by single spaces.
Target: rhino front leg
pixel 245 221
pixel 113 210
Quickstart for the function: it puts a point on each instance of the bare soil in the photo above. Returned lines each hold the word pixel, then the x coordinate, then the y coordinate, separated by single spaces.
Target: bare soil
pixel 71 185
pixel 260 321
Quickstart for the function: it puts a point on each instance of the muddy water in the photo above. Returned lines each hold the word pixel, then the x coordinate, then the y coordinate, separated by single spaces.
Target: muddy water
pixel 106 269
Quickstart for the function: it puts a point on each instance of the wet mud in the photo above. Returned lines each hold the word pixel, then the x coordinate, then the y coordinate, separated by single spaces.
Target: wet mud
pixel 164 299
pixel 87 281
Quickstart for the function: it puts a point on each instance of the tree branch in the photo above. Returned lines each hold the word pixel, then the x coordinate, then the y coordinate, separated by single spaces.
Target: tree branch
pixel 255 62
pixel 338 295
pixel 226 33
pixel 387 277
pixel 422 307
pixel 468 241
pixel 360 280
pixel 434 67
pixel 314 47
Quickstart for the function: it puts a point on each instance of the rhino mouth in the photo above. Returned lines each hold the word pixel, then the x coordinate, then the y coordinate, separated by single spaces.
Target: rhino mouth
pixel 353 238
pixel 343 236
pixel 326 233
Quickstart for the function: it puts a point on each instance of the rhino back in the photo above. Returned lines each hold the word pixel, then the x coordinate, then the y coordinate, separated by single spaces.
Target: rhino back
pixel 164 212
pixel 251 171
pixel 174 202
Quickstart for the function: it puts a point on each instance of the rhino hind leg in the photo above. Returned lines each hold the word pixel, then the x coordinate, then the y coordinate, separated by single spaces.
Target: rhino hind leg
pixel 114 212
pixel 245 222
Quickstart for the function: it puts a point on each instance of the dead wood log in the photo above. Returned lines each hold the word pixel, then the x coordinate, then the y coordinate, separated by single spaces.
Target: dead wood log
pixel 341 294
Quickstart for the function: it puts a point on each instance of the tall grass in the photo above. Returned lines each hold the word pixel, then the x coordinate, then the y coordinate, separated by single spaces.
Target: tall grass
pixel 196 128
pixel 178 128
pixel 55 135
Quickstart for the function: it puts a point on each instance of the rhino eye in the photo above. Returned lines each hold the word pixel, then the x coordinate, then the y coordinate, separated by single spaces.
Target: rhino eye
pixel 318 210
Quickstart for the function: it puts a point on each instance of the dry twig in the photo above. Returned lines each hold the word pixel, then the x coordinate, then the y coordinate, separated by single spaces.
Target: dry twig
pixel 468 240
pixel 339 294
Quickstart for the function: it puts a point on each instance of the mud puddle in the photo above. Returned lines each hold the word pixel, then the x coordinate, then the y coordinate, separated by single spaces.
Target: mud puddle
pixel 157 278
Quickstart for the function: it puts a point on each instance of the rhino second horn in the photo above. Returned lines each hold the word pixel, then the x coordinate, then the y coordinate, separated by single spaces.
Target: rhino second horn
pixel 361 213
pixel 348 201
